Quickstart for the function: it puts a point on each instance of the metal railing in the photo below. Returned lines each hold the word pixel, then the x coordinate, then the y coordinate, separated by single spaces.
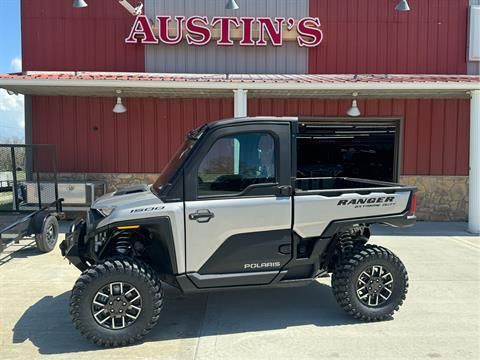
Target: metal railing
pixel 28 178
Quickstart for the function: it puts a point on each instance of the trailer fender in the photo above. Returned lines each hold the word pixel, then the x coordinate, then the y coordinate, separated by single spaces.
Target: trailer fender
pixel 37 222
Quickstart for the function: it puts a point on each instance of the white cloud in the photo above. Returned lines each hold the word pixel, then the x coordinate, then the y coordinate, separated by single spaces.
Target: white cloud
pixel 16 65
pixel 10 102
pixel 12 118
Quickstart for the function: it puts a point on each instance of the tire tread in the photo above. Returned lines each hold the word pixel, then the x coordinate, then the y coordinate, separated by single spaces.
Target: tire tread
pixel 343 274
pixel 40 240
pixel 126 265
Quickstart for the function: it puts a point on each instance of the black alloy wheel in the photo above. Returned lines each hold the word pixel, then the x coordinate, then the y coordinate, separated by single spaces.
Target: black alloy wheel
pixel 370 283
pixel 116 302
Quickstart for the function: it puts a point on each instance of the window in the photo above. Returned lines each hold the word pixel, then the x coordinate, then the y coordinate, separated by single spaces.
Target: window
pixel 172 166
pixel 236 162
pixel 366 151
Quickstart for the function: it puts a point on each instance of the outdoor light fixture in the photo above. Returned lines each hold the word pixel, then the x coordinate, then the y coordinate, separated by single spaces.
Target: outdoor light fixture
pixel 79 4
pixel 132 10
pixel 402 6
pixel 119 108
pixel 135 11
pixel 354 111
pixel 232 5
pixel 138 10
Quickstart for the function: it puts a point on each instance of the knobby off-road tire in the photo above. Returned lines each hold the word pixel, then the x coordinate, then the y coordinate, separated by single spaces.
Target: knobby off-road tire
pixel 141 289
pixel 347 246
pixel 47 239
pixel 362 275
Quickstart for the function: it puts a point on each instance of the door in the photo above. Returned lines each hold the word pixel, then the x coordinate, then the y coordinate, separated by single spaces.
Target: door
pixel 239 207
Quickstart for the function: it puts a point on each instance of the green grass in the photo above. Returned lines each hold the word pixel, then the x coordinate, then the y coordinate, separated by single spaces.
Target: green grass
pixel 6 201
pixel 6 206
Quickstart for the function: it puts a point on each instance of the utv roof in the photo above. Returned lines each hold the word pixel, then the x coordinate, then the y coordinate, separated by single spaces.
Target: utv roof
pixel 196 133
pixel 250 119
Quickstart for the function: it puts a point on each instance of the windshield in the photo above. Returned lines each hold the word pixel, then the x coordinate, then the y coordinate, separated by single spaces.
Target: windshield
pixel 172 166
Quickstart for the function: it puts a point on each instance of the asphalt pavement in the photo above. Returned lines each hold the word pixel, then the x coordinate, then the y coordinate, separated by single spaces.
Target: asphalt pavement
pixel 439 320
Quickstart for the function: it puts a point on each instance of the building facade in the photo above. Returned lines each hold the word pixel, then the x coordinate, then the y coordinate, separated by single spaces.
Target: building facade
pixel 362 44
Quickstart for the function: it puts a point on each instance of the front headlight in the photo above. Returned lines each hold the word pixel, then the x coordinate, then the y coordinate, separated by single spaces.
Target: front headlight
pixel 105 211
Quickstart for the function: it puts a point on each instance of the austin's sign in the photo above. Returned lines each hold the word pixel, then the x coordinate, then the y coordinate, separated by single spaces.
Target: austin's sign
pixel 226 31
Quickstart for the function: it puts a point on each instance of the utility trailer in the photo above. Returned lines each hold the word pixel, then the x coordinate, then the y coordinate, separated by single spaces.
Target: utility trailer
pixel 38 217
pixel 232 211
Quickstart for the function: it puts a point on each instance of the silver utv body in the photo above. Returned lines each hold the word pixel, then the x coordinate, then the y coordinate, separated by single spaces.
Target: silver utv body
pixel 242 230
pixel 196 241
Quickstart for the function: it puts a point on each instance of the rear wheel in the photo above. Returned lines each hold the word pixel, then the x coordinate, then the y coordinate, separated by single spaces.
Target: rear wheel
pixel 116 302
pixel 370 283
pixel 47 239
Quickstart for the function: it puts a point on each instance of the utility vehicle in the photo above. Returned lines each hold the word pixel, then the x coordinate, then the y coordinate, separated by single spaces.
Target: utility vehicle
pixel 229 212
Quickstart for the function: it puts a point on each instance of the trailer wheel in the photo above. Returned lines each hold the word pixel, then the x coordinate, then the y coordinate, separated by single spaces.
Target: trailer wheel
pixel 370 283
pixel 116 302
pixel 47 239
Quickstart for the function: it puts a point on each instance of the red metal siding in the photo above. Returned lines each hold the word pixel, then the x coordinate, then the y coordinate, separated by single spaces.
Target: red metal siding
pixel 371 37
pixel 56 37
pixel 360 37
pixel 435 132
pixel 91 138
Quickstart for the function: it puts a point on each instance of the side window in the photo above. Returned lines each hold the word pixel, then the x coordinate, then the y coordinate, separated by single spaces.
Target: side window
pixel 235 162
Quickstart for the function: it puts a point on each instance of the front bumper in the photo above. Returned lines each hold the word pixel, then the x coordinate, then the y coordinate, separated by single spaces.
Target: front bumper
pixel 73 244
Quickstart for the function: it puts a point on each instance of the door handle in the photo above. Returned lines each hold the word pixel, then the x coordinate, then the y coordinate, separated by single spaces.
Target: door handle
pixel 201 216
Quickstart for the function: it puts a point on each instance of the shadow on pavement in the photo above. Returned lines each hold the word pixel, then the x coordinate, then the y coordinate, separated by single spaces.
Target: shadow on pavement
pixel 27 247
pixel 425 228
pixel 24 249
pixel 47 323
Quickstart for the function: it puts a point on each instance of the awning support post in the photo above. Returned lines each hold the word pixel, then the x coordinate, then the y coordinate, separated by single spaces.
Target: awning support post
pixel 474 180
pixel 240 103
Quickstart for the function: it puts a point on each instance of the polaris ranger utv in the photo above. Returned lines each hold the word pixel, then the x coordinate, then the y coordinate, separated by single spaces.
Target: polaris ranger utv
pixel 228 212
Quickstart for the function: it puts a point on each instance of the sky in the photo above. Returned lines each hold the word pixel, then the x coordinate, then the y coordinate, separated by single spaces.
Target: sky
pixel 11 107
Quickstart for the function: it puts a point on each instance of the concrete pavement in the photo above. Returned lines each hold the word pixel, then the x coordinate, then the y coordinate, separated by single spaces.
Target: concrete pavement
pixel 440 319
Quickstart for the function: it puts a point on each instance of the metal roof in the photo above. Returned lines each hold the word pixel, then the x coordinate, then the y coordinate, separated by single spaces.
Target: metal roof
pixel 258 85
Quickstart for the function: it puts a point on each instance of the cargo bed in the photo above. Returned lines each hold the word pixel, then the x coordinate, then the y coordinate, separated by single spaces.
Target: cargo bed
pixel 334 186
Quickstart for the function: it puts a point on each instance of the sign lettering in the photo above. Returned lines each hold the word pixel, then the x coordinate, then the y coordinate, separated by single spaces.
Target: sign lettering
pixel 225 31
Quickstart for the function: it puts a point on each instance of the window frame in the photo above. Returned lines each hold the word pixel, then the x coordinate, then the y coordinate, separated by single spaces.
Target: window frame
pixel 246 189
pixel 280 132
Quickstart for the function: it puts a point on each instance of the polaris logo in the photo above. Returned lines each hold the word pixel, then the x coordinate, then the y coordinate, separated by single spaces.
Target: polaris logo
pixel 264 265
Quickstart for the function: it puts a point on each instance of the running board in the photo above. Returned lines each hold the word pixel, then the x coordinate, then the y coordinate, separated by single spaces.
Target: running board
pixel 234 279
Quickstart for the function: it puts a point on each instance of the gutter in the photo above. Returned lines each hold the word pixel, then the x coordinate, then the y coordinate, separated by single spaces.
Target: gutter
pixel 218 85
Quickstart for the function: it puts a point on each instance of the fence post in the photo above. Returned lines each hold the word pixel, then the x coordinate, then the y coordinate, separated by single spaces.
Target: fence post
pixel 54 165
pixel 14 175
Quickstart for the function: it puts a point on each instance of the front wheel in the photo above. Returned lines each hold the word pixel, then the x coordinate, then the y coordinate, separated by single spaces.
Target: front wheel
pixel 116 302
pixel 370 283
